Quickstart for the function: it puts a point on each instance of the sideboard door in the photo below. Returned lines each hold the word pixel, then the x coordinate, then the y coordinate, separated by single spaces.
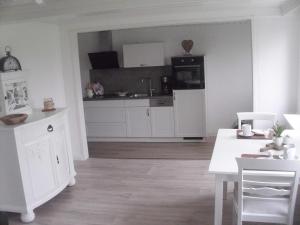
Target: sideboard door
pixel 40 167
pixel 61 154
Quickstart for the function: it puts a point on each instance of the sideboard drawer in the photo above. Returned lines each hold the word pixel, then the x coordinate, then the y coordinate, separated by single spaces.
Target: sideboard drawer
pixel 39 129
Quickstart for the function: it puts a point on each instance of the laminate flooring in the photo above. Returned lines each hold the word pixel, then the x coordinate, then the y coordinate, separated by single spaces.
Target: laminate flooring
pixel 145 150
pixel 136 192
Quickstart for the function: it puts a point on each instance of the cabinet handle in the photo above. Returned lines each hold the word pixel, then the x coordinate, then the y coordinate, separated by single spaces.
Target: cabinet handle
pixel 57 159
pixel 50 128
pixel 148 112
pixel 5 97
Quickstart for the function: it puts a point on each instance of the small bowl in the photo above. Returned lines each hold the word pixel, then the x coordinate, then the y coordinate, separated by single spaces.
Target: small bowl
pixel 122 93
pixel 14 119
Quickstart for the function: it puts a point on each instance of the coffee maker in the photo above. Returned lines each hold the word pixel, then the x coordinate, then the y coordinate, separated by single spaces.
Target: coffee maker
pixel 166 85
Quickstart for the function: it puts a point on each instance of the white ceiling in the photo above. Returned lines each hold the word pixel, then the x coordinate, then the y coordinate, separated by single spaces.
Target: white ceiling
pixel 13 10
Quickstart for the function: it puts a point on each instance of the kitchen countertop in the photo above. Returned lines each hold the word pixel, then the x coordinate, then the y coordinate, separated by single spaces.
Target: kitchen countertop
pixel 115 97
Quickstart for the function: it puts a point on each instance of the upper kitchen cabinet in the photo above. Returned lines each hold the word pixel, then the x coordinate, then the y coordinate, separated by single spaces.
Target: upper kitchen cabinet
pixel 143 55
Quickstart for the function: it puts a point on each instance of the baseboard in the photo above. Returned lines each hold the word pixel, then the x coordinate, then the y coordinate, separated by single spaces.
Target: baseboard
pixel 95 139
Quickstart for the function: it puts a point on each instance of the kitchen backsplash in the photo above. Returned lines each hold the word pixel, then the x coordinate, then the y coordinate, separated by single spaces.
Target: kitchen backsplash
pixel 130 79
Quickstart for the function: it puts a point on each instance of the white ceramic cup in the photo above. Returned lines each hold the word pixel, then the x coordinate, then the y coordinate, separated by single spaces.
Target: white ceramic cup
pixel 289 152
pixel 246 129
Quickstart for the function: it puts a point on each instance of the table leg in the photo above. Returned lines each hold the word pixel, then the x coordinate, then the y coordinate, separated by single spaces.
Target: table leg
pixel 218 200
pixel 225 190
pixel 3 218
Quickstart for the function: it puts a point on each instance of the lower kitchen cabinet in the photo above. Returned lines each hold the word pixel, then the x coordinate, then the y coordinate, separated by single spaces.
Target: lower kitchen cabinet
pixel 162 122
pixel 105 118
pixel 36 162
pixel 138 122
pixel 190 113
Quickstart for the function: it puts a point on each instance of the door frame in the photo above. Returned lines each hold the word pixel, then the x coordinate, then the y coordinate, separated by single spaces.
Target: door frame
pixel 71 65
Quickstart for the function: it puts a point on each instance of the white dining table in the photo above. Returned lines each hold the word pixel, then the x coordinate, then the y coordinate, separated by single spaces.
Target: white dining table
pixel 223 164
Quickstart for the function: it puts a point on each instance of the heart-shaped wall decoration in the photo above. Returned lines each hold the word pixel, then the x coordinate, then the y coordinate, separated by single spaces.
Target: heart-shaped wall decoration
pixel 187 45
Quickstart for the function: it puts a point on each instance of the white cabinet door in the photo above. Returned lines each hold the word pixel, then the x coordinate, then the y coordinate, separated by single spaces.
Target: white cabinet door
pixel 61 158
pixel 189 111
pixel 138 122
pixel 162 122
pixel 142 55
pixel 39 160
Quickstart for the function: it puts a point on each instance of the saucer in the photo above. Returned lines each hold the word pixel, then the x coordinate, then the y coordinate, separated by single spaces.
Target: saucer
pixel 241 134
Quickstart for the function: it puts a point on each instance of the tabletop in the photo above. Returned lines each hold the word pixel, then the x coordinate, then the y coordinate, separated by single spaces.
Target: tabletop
pixel 228 147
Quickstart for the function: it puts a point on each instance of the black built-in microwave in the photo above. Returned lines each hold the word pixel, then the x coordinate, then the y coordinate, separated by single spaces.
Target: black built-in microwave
pixel 188 72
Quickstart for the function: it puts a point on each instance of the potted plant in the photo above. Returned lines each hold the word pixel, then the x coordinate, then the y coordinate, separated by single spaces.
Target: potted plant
pixel 278 130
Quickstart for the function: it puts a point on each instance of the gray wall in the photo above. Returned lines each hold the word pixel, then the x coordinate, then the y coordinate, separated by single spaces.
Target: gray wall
pixel 228 62
pixel 228 56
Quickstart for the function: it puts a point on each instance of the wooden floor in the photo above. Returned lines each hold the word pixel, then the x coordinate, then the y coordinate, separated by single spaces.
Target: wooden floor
pixel 133 150
pixel 136 192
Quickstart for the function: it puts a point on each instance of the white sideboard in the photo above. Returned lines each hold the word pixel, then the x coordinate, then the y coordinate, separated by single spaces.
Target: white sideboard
pixel 36 162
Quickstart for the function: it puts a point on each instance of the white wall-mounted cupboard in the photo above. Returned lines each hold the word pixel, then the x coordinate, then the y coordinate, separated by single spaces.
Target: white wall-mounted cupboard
pixel 189 113
pixel 36 162
pixel 143 55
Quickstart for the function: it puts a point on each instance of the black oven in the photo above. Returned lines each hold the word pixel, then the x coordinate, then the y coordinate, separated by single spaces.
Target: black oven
pixel 188 72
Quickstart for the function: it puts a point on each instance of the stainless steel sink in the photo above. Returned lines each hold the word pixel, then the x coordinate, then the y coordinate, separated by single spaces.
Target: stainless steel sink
pixel 139 95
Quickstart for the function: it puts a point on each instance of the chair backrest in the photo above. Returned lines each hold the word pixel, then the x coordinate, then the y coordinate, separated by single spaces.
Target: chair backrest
pixel 267 179
pixel 255 116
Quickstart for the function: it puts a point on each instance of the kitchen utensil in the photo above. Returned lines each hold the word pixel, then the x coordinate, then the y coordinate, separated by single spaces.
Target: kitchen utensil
pixel 122 93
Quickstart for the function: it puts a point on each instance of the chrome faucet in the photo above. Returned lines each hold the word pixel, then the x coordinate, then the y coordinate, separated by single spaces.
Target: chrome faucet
pixel 150 89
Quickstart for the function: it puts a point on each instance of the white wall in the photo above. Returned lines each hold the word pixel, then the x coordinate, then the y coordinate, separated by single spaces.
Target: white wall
pixel 87 43
pixel 228 51
pixel 37 46
pixel 276 64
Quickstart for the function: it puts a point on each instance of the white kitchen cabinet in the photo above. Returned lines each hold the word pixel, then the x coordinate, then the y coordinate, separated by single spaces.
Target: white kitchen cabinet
pixel 143 55
pixel 105 118
pixel 36 162
pixel 138 122
pixel 162 122
pixel 190 113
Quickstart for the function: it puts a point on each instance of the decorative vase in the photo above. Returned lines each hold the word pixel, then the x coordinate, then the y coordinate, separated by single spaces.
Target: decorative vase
pixel 89 93
pixel 278 141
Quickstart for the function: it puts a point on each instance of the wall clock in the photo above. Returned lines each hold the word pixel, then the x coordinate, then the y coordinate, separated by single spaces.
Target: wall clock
pixel 9 62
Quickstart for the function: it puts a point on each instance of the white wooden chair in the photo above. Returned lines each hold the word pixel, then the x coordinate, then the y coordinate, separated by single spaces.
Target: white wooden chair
pixel 267 191
pixel 255 116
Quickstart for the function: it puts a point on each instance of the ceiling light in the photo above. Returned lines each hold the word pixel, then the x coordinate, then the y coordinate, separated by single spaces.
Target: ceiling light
pixel 39 1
